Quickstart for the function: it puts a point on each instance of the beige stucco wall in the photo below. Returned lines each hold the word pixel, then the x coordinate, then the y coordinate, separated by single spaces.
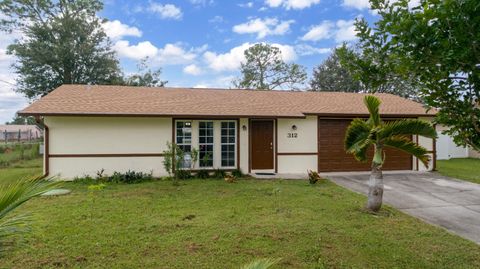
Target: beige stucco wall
pixel 107 135
pixel 305 142
pixel 429 145
pixel 244 142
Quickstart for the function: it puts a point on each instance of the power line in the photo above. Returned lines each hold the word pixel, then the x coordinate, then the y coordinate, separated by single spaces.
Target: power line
pixel 4 81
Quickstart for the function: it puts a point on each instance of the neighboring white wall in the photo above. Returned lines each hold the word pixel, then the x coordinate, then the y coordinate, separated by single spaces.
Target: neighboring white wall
pixel 305 142
pixel 107 135
pixel 473 153
pixel 447 149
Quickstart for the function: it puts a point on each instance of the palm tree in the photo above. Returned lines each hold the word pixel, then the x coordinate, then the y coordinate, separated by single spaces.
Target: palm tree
pixel 14 194
pixel 363 134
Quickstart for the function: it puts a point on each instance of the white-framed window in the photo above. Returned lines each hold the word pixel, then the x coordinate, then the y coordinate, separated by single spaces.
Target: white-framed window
pixel 205 143
pixel 228 143
pixel 184 140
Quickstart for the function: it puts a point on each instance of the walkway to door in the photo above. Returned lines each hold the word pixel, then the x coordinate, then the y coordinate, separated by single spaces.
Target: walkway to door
pixel 442 201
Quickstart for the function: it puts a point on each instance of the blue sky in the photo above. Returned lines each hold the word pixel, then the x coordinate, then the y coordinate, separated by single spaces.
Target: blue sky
pixel 200 43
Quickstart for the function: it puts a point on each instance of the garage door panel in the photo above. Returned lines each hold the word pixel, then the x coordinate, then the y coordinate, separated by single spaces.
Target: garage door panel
pixel 333 157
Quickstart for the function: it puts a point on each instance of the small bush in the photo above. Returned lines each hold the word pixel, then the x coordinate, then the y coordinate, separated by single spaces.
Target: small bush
pixel 203 174
pixel 220 174
pixel 35 152
pixel 183 174
pixel 313 177
pixel 237 173
pixel 129 177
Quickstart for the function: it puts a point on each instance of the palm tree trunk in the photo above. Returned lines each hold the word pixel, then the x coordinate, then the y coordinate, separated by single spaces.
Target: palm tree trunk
pixel 375 185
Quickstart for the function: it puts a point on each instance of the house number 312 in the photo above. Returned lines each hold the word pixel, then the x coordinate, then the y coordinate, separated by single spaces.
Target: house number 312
pixel 292 135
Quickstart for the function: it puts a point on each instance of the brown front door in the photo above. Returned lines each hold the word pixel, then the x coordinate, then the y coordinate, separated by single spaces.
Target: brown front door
pixel 332 156
pixel 262 144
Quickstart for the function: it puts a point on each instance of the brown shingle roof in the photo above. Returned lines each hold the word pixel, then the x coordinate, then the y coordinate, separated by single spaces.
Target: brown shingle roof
pixel 124 100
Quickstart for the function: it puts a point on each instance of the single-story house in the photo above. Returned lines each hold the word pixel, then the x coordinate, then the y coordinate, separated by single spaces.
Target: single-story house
pixel 117 128
pixel 14 132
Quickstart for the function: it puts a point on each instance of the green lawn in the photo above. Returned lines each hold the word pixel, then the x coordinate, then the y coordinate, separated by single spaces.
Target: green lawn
pixel 466 169
pixel 214 224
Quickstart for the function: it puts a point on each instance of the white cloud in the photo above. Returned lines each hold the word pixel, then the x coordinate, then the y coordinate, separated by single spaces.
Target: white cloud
pixel 170 54
pixel 340 31
pixel 356 4
pixel 216 19
pixel 218 82
pixel 202 2
pixel 318 32
pixel 167 11
pixel 291 4
pixel 116 30
pixel 10 101
pixel 246 5
pixel 192 69
pixel 365 4
pixel 263 28
pixel 136 52
pixel 306 50
pixel 345 31
pixel 230 61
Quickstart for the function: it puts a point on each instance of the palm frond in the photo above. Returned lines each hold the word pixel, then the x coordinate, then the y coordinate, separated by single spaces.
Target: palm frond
pixel 406 145
pixel 373 104
pixel 407 127
pixel 357 136
pixel 261 264
pixel 12 196
pixel 16 193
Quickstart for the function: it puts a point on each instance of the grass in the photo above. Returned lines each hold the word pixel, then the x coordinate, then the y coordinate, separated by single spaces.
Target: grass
pixel 10 154
pixel 21 169
pixel 464 168
pixel 214 224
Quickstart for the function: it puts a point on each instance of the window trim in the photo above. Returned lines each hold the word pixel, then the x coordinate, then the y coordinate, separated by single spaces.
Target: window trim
pixel 206 144
pixel 235 133
pixel 183 143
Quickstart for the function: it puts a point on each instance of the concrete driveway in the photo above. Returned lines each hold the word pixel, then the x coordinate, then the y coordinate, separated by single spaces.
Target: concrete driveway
pixel 446 202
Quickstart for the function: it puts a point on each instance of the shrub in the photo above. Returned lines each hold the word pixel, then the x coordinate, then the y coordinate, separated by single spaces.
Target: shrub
pixel 35 152
pixel 220 174
pixel 203 174
pixel 130 177
pixel 237 173
pixel 313 177
pixel 183 174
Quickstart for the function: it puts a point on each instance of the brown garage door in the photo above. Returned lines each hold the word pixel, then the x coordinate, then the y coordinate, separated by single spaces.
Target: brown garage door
pixel 332 157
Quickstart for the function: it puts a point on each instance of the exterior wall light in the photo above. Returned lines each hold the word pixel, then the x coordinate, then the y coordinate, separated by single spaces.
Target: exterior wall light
pixel 244 127
pixel 294 127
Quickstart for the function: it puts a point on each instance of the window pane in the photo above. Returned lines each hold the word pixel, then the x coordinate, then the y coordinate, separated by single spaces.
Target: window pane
pixel 205 141
pixel 184 139
pixel 228 139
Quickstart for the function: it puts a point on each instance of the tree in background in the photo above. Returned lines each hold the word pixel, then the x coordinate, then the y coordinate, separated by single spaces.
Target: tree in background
pixel 331 76
pixel 375 69
pixel 20 120
pixel 264 69
pixel 63 43
pixel 436 43
pixel 145 76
